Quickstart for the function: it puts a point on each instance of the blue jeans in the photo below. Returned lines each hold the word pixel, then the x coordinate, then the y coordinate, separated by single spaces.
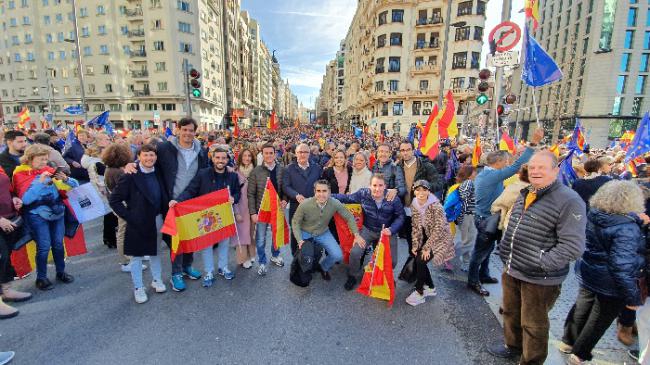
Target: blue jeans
pixel 48 235
pixel 136 270
pixel 208 256
pixel 326 241
pixel 479 263
pixel 260 242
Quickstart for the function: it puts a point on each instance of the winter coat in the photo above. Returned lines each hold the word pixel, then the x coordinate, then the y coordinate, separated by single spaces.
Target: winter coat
pixel 141 237
pixel 207 180
pixel 394 176
pixel 390 215
pixel 8 162
pixel 426 171
pixel 588 186
pixel 504 203
pixel 435 227
pixel 167 166
pixel 328 174
pixel 614 256
pixel 74 154
pixel 257 184
pixel 241 208
pixel 296 181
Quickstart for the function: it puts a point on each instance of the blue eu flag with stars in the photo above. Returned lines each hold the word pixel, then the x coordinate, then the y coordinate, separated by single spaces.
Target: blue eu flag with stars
pixel 640 145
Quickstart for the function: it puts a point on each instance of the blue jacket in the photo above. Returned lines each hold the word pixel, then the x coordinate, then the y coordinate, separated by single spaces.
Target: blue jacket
pixel 391 214
pixel 614 256
pixel 75 153
pixel 44 199
pixel 208 180
pixel 297 181
pixel 488 184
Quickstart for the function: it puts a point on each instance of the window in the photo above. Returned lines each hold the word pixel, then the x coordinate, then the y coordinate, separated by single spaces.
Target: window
pixel 631 17
pixel 185 47
pixel 643 66
pixel 424 84
pixel 397 16
pixel 480 8
pixel 162 86
pixel 150 107
pixel 459 60
pixel 14 40
pixel 183 6
pixel 646 40
pixel 88 51
pixel 157 24
pixel 620 84
pixel 647 18
pixel 11 4
pixel 107 70
pixel 103 49
pixel 115 107
pixel 629 38
pixel 59 18
pixel 458 83
pixel 393 85
pixel 50 56
pixel 472 83
pixel 465 8
pixel 415 107
pixel 625 62
pixel 13 22
pixel 607 26
pixel 618 103
pixel 100 10
pixel 83 12
pixel 383 16
pixel 396 39
pixel 101 30
pixel 159 46
pixel 381 41
pixel 168 107
pixel 640 84
pixel 85 32
pixel 384 109
pixel 379 86
pixel 398 108
pixel 98 108
pixel 379 67
pixel 17 57
pixel 133 107
pixel 636 106
pixel 462 34
pixel 478 33
pixel 28 38
pixel 476 60
pixel 47 20
pixel 184 27
pixel 26 20
pixel 91 89
pixel 160 66
pixel 45 2
pixel 393 64
pixel 419 62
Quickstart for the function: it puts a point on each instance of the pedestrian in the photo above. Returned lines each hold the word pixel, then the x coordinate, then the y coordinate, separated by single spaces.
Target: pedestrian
pixel 55 156
pixel 610 268
pixel 139 199
pixel 208 180
pixel 269 169
pixel 466 236
pixel 536 254
pixel 432 240
pixel 298 181
pixel 244 242
pixel 16 142
pixel 337 173
pixel 393 174
pixel 504 203
pixel 73 154
pixel 39 187
pixel 361 175
pixel 597 170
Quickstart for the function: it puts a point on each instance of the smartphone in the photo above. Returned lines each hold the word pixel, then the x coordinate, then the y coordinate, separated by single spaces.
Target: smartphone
pixel 59 169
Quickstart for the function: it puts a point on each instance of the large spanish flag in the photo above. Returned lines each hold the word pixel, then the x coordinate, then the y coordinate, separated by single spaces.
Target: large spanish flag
pixel 23 118
pixel 430 144
pixel 531 7
pixel 346 238
pixel 200 222
pixel 378 281
pixel 273 124
pixel 447 126
pixel 271 213
pixel 235 122
pixel 24 258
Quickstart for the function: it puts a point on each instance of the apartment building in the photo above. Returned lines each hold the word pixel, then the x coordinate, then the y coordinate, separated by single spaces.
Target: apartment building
pixel 603 49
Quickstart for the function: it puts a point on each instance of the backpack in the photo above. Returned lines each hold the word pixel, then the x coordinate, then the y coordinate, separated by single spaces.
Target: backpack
pixel 453 205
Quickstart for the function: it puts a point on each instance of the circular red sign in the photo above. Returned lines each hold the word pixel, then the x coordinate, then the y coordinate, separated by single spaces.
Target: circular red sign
pixel 505 41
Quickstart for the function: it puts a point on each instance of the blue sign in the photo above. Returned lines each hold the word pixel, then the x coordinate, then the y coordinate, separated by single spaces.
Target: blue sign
pixel 74 109
pixel 49 117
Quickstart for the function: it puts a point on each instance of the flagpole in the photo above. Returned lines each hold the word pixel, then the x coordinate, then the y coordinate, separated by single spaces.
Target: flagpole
pixel 535 106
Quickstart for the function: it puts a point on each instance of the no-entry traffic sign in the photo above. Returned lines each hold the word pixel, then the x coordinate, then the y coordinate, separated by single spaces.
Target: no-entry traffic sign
pixel 506 35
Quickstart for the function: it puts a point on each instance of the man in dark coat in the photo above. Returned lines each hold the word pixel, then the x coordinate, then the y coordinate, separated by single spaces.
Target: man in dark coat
pixel 298 183
pixel 10 158
pixel 74 154
pixel 145 200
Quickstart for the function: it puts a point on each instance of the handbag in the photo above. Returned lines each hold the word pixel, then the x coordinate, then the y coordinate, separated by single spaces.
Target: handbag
pixel 408 271
pixel 491 223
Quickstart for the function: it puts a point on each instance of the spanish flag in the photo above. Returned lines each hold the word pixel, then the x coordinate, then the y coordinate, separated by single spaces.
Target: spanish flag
pixel 378 281
pixel 531 7
pixel 430 137
pixel 477 152
pixel 555 149
pixel 200 222
pixel 506 143
pixel 631 167
pixel 23 118
pixel 235 122
pixel 24 258
pixel 346 238
pixel 447 126
pixel 271 213
pixel 273 122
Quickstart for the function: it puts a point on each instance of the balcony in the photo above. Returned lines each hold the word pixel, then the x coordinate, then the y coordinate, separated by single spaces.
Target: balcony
pixel 140 74
pixel 463 93
pixel 428 22
pixel 424 45
pixel 425 69
pixel 145 92
pixel 133 13
pixel 141 53
pixel 135 33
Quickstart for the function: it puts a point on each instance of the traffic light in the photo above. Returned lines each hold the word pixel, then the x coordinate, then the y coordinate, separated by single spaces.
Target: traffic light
pixel 483 86
pixel 510 99
pixel 195 83
pixel 500 110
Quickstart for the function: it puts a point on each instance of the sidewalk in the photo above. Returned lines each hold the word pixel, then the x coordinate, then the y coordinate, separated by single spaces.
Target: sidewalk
pixel 608 351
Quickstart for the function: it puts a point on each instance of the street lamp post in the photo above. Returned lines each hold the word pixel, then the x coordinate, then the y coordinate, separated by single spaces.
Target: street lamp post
pixel 445 48
pixel 79 63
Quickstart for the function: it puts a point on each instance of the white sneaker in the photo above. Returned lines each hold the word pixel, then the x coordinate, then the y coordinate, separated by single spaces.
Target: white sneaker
pixel 158 286
pixel 429 292
pixel 140 295
pixel 262 270
pixel 127 267
pixel 278 261
pixel 247 264
pixel 415 298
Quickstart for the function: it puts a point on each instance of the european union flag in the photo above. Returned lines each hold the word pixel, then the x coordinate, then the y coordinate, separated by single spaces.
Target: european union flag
pixel 577 142
pixel 99 120
pixel 539 68
pixel 640 145
pixel 411 136
pixel 69 141
pixel 567 174
pixel 109 129
pixel 358 132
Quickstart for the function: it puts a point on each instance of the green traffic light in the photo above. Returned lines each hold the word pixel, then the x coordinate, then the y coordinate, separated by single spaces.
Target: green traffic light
pixel 196 93
pixel 482 99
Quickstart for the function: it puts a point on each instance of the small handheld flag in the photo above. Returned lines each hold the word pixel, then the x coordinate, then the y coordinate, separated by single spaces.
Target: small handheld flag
pixel 378 281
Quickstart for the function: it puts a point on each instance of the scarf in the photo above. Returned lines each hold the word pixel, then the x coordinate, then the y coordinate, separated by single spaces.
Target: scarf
pixel 421 209
pixel 24 175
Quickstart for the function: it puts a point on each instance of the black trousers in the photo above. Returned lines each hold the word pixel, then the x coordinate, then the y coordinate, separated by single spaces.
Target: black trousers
pixel 293 206
pixel 110 228
pixel 7 272
pixel 588 319
pixel 627 317
pixel 406 232
pixel 422 273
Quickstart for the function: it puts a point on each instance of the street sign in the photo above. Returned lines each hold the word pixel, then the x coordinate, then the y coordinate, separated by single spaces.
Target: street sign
pixel 49 117
pixel 506 35
pixel 501 59
pixel 74 110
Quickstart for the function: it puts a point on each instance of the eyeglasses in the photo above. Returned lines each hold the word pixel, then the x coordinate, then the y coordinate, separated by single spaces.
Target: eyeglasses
pixel 408 150
pixel 302 151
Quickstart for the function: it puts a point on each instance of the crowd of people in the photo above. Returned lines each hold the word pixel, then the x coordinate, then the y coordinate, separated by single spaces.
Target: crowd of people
pixel 440 208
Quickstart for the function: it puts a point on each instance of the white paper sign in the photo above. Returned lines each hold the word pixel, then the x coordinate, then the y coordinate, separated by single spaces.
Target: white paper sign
pixel 87 203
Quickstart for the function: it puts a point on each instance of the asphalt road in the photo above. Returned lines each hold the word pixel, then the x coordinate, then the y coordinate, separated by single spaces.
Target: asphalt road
pixel 249 320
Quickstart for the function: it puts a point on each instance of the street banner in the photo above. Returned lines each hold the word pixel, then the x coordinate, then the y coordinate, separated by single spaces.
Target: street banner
pixel 272 213
pixel 378 281
pixel 346 238
pixel 200 222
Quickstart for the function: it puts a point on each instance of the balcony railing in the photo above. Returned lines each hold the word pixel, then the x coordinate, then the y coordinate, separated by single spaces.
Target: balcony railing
pixel 133 12
pixel 140 92
pixel 138 54
pixel 425 68
pixel 429 21
pixel 424 44
pixel 141 73
pixel 136 33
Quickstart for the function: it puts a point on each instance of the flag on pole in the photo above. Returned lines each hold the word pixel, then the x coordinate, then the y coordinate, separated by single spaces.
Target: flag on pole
pixel 477 152
pixel 346 238
pixel 567 174
pixel 531 7
pixel 411 135
pixel 447 126
pixel 23 118
pixel 358 132
pixel 555 149
pixel 371 161
pixel 430 127
pixel 378 281
pixel 272 213
pixel 69 141
pixel 99 121
pixel 577 141
pixel 272 124
pixel 235 122
pixel 538 68
pixel 640 145
pixel 200 222
pixel 506 143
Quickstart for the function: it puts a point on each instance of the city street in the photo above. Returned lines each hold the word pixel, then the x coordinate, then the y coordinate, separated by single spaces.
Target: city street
pixel 250 320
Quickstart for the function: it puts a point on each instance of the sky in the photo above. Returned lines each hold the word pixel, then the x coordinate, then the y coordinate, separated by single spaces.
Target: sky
pixel 307 34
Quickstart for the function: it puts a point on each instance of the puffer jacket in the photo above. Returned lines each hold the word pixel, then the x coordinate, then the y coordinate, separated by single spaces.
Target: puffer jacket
pixel 394 176
pixel 542 240
pixel 614 256
pixel 257 183
pixel 391 213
